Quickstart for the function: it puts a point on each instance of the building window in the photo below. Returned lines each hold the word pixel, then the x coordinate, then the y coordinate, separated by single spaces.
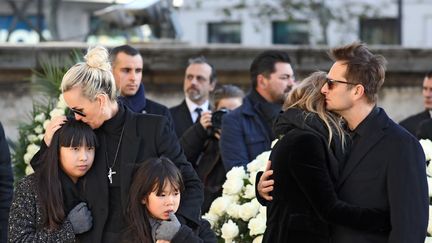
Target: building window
pixel 290 32
pixel 379 31
pixel 224 33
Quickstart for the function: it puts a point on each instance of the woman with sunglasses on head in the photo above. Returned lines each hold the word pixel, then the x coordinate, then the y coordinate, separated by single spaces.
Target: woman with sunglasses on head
pixel 126 139
pixel 305 163
pixel 48 205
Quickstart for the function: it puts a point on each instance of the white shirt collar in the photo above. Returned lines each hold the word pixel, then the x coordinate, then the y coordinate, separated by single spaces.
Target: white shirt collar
pixel 192 106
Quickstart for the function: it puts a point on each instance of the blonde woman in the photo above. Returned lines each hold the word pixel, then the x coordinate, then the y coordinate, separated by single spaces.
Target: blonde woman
pixel 126 138
pixel 305 164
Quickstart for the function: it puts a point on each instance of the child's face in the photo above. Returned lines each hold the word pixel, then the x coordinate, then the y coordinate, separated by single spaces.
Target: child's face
pixel 160 206
pixel 76 161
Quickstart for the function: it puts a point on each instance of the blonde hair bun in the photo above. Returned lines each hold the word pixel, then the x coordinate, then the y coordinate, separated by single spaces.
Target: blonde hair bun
pixel 98 57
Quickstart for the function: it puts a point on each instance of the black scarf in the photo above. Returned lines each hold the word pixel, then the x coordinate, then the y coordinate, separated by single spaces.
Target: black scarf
pixel 71 192
pixel 136 102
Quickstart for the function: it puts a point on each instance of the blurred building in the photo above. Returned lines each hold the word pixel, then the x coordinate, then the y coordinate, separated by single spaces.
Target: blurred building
pixel 198 22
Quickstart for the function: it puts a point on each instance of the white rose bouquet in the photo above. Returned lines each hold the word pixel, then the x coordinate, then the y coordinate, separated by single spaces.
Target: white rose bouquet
pixel 237 216
pixel 427 149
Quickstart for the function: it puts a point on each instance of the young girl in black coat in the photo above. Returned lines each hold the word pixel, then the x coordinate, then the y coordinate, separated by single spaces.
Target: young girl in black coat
pixel 47 206
pixel 154 198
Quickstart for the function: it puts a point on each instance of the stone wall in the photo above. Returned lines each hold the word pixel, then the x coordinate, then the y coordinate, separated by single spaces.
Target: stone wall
pixel 164 68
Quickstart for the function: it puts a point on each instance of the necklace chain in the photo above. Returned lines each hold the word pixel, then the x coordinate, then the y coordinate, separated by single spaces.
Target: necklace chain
pixel 111 172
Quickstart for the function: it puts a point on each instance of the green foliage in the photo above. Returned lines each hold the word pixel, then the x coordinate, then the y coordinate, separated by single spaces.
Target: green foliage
pixel 47 81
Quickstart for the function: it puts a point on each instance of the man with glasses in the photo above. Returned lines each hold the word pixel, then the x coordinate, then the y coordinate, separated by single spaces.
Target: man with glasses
pixel 247 131
pixel 385 168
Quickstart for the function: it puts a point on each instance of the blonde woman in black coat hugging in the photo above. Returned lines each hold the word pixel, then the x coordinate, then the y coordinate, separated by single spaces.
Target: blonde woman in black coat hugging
pixel 305 164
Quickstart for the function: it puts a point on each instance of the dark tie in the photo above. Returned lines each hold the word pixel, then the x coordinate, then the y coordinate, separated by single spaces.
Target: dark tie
pixel 198 111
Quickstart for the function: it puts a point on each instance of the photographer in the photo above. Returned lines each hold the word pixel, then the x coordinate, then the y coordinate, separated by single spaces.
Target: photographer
pixel 201 142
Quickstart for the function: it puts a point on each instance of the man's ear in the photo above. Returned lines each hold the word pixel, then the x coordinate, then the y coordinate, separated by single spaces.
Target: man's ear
pixel 262 81
pixel 359 90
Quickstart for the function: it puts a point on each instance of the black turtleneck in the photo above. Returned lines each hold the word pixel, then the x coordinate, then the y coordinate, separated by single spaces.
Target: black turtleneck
pixel 112 130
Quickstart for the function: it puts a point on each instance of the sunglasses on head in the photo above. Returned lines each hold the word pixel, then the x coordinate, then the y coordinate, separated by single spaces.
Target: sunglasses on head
pixel 330 83
pixel 78 112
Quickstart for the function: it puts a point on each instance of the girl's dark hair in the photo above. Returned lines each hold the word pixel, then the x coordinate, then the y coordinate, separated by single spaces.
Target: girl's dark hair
pixel 151 175
pixel 72 133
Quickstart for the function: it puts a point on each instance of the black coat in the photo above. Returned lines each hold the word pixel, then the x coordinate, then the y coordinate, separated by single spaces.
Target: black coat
pixel 6 185
pixel 386 169
pixel 202 150
pixel 412 123
pixel 145 136
pixel 304 196
pixel 181 118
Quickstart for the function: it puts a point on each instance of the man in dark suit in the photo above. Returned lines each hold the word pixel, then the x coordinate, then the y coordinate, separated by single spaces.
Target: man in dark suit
pixel 6 185
pixel 413 123
pixel 200 79
pixel 386 166
pixel 127 66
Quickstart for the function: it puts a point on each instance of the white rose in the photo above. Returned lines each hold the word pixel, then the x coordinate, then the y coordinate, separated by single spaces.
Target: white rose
pixel 249 192
pixel 429 182
pixel 39 129
pixel 45 124
pixel 427 148
pixel 260 162
pixel 32 138
pixel 428 239
pixel 248 210
pixel 262 210
pixel 429 228
pixel 219 206
pixel 232 186
pixel 233 210
pixel 229 230
pixel 57 112
pixel 274 143
pixel 61 104
pixel 27 158
pixel 258 239
pixel 257 225
pixel 32 149
pixel 232 198
pixel 212 218
pixel 252 177
pixel 40 117
pixel 41 136
pixel 29 170
pixel 236 173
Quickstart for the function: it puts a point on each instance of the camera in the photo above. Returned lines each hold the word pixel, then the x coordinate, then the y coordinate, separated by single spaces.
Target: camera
pixel 216 119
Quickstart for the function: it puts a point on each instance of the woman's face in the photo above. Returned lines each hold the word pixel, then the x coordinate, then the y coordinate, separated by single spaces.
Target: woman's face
pixel 159 206
pixel 90 112
pixel 76 161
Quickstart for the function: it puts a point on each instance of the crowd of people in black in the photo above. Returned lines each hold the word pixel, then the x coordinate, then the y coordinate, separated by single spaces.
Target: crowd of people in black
pixel 124 168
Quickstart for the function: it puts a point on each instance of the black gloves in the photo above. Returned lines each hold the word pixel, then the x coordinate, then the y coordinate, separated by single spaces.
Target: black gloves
pixel 168 229
pixel 80 218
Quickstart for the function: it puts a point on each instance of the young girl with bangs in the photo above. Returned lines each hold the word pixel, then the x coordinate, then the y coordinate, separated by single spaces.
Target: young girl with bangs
pixel 47 205
pixel 154 199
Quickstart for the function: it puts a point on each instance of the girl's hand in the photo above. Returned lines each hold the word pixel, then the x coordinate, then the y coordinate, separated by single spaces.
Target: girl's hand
pixel 162 241
pixel 52 127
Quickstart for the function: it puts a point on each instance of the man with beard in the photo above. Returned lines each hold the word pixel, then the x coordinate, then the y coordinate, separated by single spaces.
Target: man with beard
pixel 199 81
pixel 247 131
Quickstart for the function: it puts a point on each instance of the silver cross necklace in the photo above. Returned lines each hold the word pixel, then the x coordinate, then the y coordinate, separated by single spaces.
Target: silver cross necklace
pixel 110 171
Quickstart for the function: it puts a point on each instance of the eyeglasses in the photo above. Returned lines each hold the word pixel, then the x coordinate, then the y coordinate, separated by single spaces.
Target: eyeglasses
pixel 78 112
pixel 331 82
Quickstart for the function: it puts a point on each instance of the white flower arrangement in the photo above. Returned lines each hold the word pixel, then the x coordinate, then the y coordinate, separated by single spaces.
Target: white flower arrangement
pixel 427 149
pixel 237 216
pixel 41 121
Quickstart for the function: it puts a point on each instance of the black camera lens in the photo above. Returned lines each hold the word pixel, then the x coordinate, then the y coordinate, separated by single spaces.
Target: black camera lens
pixel 217 118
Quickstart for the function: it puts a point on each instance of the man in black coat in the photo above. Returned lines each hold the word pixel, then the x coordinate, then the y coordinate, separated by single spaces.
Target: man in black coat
pixel 200 79
pixel 127 66
pixel 386 167
pixel 6 185
pixel 414 122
